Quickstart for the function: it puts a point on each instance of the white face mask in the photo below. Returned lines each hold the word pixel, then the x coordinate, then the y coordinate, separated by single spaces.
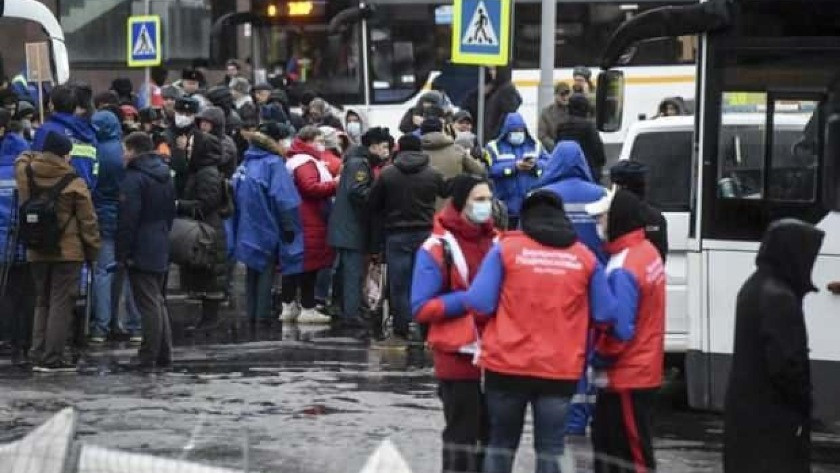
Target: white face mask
pixel 183 121
pixel 321 147
pixel 480 212
pixel 286 143
pixel 516 138
pixel 354 129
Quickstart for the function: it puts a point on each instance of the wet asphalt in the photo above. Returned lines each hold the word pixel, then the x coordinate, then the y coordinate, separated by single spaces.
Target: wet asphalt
pixel 298 399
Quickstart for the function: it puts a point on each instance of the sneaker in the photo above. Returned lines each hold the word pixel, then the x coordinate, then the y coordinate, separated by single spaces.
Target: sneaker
pixel 57 367
pixel 96 340
pixel 136 339
pixel 291 312
pixel 313 317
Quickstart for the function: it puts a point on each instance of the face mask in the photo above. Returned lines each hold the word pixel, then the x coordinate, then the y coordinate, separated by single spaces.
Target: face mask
pixel 320 147
pixel 480 212
pixel 602 231
pixel 464 136
pixel 516 138
pixel 354 129
pixel 183 121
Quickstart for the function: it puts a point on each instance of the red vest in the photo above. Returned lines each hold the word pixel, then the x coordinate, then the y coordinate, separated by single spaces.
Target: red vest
pixel 639 362
pixel 541 323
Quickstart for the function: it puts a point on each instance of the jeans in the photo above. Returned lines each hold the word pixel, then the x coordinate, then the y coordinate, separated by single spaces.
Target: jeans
pixel 56 288
pixel 303 281
pixel 156 348
pixel 400 249
pixel 507 415
pixel 352 272
pixel 104 293
pixel 258 292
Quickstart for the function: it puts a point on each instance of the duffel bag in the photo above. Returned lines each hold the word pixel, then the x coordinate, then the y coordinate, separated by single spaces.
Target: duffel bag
pixel 192 243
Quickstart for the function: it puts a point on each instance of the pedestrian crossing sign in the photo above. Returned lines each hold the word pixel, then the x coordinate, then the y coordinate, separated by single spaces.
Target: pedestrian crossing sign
pixel 481 32
pixel 144 41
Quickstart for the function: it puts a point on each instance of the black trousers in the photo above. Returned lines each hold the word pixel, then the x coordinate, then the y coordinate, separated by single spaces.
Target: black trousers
pixel 56 289
pixel 303 281
pixel 622 437
pixel 17 306
pixel 148 291
pixel 466 431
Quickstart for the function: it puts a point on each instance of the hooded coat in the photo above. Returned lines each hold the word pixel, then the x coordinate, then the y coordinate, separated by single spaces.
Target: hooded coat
pixel 363 119
pixel 266 208
pixel 350 219
pixel 109 152
pixel 407 121
pixel 578 127
pixel 316 192
pixel 511 184
pixel 203 199
pixel 12 146
pixel 448 158
pixel 567 174
pixel 230 153
pixel 74 208
pixel 146 212
pixel 80 132
pixel 767 421
pixel 404 196
pixel 503 98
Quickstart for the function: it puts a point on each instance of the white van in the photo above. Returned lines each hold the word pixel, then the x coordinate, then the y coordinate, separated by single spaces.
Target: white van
pixel 665 145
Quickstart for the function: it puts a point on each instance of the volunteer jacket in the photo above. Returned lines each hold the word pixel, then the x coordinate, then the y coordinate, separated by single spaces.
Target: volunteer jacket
pixel 109 153
pixel 568 175
pixel 81 133
pixel 536 332
pixel 511 184
pixel 632 348
pixel 12 146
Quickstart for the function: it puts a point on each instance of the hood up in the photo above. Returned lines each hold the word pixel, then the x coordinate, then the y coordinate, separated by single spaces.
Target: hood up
pixel 411 162
pixel 206 150
pixel 435 140
pixel 106 125
pixel 544 219
pixel 301 147
pixel 151 165
pixel 566 162
pixel 512 121
pixel 789 250
pixel 215 116
pixel 363 118
pixel 77 125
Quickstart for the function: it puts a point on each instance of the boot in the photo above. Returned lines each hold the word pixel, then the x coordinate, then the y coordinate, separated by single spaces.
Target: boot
pixel 209 316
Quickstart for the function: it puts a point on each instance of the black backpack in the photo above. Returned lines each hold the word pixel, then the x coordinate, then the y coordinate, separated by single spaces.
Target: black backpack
pixel 39 228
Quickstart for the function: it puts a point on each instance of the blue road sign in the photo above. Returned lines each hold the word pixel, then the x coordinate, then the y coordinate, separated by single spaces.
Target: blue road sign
pixel 144 41
pixel 481 32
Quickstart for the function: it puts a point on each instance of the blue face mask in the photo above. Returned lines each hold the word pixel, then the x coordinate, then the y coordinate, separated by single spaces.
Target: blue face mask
pixel 516 138
pixel 480 212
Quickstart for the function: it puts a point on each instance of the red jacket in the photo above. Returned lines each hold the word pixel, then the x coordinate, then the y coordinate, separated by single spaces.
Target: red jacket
pixel 316 189
pixel 541 321
pixel 453 337
pixel 333 162
pixel 634 349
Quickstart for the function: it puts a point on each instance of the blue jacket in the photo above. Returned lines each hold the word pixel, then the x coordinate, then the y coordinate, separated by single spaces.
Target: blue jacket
pixel 109 152
pixel 512 185
pixel 568 175
pixel 80 132
pixel 13 144
pixel 146 212
pixel 266 207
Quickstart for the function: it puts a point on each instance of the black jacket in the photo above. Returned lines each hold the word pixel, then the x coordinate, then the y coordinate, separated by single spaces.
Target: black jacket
pixel 147 208
pixel 403 199
pixel 350 217
pixel 768 400
pixel 583 131
pixel 656 229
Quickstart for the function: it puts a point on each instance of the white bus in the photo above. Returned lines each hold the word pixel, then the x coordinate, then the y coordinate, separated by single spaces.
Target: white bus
pixel 380 55
pixel 35 11
pixel 776 57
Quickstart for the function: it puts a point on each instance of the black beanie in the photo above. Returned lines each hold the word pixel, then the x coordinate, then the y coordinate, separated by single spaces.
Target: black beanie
pixel 409 143
pixel 430 125
pixel 57 144
pixel 631 175
pixel 460 186
pixel 276 131
pixel 625 215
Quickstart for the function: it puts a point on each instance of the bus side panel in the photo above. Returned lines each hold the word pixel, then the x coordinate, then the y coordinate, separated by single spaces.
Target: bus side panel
pixel 697 356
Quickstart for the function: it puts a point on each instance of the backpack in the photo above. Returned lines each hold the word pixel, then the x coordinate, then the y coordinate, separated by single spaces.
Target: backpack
pixel 39 228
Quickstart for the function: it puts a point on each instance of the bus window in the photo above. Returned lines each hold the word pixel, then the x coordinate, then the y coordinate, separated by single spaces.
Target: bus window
pixel 668 158
pixel 741 147
pixel 793 168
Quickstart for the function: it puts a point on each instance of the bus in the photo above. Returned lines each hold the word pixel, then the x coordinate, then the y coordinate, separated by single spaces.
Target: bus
pixel 35 11
pixel 774 58
pixel 380 55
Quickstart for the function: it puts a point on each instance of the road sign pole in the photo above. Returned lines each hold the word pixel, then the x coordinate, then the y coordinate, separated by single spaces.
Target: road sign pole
pixel 547 60
pixel 480 109
pixel 147 79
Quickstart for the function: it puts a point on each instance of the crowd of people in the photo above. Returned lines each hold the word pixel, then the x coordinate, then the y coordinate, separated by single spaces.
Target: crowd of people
pixel 104 195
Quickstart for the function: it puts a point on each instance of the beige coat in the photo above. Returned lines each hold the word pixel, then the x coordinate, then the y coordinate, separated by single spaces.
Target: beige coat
pixel 449 159
pixel 80 240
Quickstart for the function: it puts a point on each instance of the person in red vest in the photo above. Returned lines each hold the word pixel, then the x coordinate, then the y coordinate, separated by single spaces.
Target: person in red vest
pixel 541 288
pixel 629 353
pixel 462 235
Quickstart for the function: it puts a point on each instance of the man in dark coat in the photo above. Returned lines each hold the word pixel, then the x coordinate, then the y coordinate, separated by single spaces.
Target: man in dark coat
pixel 147 208
pixel 632 175
pixel 350 219
pixel 501 98
pixel 579 127
pixel 767 421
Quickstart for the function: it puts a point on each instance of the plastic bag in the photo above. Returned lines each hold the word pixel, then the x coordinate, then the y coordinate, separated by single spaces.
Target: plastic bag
pixel 375 285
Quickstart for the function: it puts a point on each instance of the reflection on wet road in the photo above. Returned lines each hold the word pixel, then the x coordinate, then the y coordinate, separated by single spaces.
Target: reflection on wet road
pixel 312 402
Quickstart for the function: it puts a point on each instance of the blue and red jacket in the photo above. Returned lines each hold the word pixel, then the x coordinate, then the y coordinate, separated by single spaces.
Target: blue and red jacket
pixel 541 300
pixel 441 275
pixel 10 251
pixel 633 348
pixel 81 133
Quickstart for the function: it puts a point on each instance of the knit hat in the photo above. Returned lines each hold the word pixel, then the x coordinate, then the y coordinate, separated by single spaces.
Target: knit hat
pixel 582 71
pixel 460 186
pixel 579 105
pixel 241 85
pixel 376 135
pixel 561 88
pixel 462 115
pixel 276 131
pixel 192 74
pixel 409 143
pixel 430 125
pixel 57 144
pixel 631 175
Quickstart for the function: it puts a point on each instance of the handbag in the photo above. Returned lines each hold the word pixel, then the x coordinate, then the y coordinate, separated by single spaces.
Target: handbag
pixel 192 243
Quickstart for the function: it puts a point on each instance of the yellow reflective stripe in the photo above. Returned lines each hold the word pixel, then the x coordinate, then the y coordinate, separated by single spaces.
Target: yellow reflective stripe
pixel 83 150
pixel 491 146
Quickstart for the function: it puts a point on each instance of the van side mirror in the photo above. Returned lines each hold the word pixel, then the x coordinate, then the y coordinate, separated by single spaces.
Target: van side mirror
pixel 831 163
pixel 609 101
